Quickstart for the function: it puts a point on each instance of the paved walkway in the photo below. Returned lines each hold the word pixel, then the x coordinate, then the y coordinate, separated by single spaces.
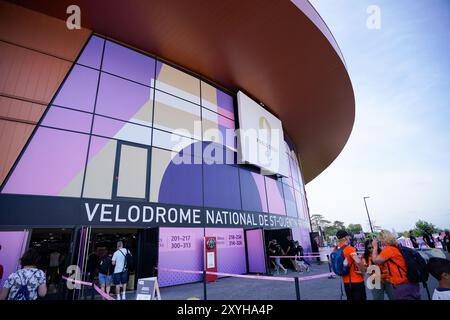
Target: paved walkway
pixel 248 289
pixel 230 288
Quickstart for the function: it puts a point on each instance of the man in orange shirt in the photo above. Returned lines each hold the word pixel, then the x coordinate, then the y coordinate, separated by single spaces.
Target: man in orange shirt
pixel 355 288
pixel 391 258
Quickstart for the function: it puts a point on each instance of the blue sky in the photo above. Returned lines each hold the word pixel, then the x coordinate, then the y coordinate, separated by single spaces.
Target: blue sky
pixel 399 149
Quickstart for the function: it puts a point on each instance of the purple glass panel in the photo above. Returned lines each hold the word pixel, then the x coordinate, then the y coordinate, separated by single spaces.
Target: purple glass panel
pixel 275 196
pixel 294 172
pixel 79 89
pixel 12 244
pixel 127 63
pixel 92 53
pixel 289 198
pixel 230 249
pixel 107 127
pixel 119 98
pixel 51 161
pixel 225 102
pixel 256 251
pixel 182 183
pixel 302 235
pixel 301 210
pixel 221 185
pixel 176 253
pixel 68 119
pixel 253 191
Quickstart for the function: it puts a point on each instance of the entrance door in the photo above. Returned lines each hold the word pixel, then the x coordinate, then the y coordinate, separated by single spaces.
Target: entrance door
pixel 280 235
pixel 131 178
pixel 103 241
pixel 148 248
pixel 55 250
pixel 256 252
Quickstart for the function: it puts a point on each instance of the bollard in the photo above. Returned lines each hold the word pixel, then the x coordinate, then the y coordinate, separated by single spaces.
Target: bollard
pixel 297 288
pixel 204 285
pixel 329 268
pixel 92 291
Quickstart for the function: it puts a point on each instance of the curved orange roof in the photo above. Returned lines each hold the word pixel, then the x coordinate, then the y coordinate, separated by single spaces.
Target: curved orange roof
pixel 279 52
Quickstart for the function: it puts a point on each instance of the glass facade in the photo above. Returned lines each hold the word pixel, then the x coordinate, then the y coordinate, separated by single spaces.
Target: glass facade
pixel 113 132
pixel 118 104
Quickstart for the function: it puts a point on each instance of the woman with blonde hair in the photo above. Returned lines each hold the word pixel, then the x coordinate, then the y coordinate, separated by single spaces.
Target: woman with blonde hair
pixel 392 259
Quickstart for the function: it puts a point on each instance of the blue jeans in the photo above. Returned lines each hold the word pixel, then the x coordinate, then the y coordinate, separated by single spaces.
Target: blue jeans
pixel 104 279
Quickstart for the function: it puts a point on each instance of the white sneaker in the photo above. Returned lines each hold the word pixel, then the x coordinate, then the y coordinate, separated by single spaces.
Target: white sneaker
pixel 124 297
pixel 118 297
pixel 285 271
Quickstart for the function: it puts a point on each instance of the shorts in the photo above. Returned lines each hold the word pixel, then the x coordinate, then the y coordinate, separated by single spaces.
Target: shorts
pixel 104 279
pixel 120 278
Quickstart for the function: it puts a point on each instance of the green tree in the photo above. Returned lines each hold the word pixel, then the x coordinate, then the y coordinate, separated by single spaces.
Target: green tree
pixel 318 220
pixel 424 227
pixel 330 230
pixel 354 229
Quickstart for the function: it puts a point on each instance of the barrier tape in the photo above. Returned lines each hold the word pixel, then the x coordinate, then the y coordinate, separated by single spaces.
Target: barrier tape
pixel 288 279
pixel 294 256
pixel 100 291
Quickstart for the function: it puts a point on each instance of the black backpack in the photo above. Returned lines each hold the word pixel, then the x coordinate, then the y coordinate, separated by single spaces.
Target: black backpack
pixel 417 266
pixel 106 266
pixel 129 261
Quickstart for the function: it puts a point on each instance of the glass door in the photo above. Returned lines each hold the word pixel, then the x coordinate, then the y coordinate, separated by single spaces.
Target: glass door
pixel 131 172
pixel 256 251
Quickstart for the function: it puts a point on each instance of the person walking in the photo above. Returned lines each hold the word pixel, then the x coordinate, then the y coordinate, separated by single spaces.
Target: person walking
pixel 120 276
pixel 105 271
pixel 385 285
pixel 413 240
pixel 429 240
pixel 28 283
pixel 276 250
pixel 300 260
pixel 354 279
pixel 291 251
pixel 391 258
pixel 446 241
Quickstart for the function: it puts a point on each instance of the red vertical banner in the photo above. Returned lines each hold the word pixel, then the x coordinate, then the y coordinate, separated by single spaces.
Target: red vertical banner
pixel 210 259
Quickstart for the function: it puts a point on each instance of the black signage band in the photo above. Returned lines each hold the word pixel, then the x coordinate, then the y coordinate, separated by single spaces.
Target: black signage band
pixel 35 211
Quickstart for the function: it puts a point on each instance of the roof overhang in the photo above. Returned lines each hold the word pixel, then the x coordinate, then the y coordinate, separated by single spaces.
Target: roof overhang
pixel 279 52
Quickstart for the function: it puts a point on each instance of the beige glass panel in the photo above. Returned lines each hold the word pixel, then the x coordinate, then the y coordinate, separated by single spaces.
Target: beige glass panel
pixel 132 172
pixel 100 169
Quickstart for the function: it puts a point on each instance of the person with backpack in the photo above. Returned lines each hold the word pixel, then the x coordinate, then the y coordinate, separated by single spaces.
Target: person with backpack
pixel 406 266
pixel 346 263
pixel 105 271
pixel 386 286
pixel 122 262
pixel 27 283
